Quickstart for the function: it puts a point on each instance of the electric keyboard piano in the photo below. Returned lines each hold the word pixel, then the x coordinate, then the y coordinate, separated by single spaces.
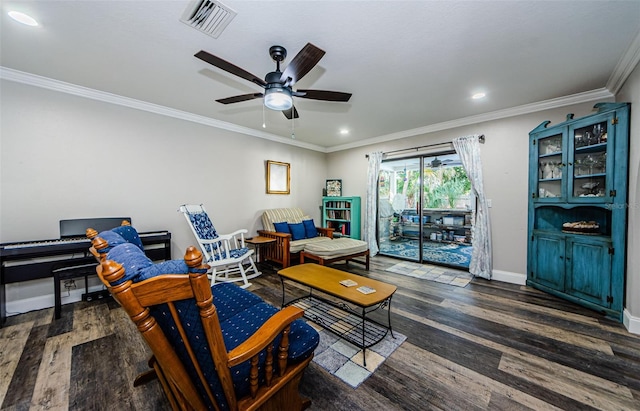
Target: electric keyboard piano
pixel 32 260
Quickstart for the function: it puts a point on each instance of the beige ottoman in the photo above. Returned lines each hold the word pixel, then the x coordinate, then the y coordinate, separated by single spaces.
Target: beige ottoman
pixel 339 249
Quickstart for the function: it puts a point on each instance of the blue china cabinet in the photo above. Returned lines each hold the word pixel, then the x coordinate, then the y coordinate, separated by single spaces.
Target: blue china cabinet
pixel 578 172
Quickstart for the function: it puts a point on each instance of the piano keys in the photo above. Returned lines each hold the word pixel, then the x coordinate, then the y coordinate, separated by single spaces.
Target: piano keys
pixel 33 260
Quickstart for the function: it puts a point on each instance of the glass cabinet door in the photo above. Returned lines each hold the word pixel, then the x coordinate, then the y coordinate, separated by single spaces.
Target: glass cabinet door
pixel 551 168
pixel 589 165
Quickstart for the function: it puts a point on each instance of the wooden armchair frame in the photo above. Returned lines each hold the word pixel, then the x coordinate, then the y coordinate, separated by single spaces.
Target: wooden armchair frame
pixel 279 252
pixel 280 390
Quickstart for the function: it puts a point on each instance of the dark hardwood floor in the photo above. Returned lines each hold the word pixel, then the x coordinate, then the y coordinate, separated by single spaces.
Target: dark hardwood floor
pixel 488 346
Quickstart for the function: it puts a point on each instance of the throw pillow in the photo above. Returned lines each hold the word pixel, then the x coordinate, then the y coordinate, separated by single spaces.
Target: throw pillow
pixel 310 228
pixel 297 231
pixel 112 239
pixel 130 234
pixel 166 267
pixel 282 227
pixel 131 258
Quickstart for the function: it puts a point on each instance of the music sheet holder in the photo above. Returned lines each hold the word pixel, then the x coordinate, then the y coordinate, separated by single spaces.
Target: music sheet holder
pixel 77 227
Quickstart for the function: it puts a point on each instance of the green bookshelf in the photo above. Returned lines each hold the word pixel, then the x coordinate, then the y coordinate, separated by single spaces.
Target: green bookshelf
pixel 343 215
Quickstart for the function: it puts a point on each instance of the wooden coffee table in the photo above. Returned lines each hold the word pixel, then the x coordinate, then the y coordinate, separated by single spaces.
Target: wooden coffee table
pixel 347 314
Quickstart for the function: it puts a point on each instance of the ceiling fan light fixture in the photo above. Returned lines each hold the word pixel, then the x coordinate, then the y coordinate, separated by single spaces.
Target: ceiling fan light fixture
pixel 278 98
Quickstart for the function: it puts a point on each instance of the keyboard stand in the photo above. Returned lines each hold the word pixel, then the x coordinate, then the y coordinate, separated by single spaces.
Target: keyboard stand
pixel 69 273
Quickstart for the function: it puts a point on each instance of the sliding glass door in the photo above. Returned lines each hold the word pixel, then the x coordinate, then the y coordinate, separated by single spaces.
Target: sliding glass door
pixel 425 210
pixel 399 192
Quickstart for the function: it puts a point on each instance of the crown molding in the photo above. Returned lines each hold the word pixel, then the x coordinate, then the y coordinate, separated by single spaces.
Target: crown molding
pixel 73 89
pixel 68 88
pixel 587 96
pixel 625 66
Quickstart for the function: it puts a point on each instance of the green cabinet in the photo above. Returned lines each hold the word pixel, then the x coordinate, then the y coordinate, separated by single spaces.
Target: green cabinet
pixel 578 173
pixel 343 215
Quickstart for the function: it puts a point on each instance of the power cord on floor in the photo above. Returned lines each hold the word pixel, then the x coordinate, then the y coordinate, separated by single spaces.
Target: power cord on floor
pixel 69 285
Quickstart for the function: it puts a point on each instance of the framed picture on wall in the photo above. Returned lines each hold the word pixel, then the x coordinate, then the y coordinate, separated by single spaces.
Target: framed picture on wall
pixel 334 188
pixel 278 177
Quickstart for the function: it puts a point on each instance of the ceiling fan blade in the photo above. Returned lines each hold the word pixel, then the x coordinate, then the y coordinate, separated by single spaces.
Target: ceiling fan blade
pixel 302 63
pixel 323 95
pixel 230 68
pixel 287 113
pixel 242 97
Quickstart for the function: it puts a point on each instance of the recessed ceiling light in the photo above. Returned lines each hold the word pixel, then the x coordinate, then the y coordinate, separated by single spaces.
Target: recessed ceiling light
pixel 23 18
pixel 344 131
pixel 478 96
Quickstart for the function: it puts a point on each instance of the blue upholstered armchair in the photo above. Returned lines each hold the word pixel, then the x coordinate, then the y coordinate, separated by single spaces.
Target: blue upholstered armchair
pixel 215 347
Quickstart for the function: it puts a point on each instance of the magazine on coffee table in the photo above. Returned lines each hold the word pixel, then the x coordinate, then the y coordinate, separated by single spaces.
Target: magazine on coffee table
pixel 366 290
pixel 348 283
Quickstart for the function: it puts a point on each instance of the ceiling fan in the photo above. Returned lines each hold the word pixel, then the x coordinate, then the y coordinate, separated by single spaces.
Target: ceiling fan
pixel 435 163
pixel 278 85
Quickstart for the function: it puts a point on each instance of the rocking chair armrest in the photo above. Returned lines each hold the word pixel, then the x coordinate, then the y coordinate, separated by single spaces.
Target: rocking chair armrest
pixel 237 232
pixel 264 335
pixel 238 237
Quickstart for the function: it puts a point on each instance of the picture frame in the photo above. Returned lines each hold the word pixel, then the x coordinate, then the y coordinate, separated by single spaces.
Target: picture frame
pixel 334 188
pixel 278 177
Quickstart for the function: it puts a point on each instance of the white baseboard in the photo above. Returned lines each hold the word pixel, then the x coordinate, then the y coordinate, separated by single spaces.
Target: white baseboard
pixel 631 323
pixel 509 277
pixel 46 301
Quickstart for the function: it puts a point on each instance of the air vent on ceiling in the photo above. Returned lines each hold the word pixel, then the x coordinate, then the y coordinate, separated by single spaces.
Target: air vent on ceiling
pixel 210 17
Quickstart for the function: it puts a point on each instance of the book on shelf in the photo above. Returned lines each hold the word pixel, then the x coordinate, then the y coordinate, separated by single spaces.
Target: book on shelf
pixel 366 290
pixel 348 283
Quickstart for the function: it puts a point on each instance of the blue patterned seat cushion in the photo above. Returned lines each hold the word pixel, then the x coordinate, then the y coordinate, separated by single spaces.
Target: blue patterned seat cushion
pixel 204 228
pixel 236 328
pixel 230 300
pixel 132 259
pixel 130 234
pixel 235 253
pixel 113 239
pixel 120 235
pixel 138 267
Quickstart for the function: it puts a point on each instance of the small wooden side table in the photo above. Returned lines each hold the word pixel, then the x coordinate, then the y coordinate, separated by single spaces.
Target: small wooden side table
pixel 258 243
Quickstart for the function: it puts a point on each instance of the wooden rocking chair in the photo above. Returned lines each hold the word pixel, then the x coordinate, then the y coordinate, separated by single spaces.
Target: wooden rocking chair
pixel 190 338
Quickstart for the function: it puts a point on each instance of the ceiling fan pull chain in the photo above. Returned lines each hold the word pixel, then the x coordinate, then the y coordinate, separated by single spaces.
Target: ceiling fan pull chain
pixel 264 122
pixel 293 122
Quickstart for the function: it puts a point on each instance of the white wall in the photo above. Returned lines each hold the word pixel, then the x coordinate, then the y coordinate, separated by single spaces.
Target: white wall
pixel 64 156
pixel 630 92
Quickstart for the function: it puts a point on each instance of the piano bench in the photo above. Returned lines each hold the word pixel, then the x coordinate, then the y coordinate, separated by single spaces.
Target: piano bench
pixel 69 273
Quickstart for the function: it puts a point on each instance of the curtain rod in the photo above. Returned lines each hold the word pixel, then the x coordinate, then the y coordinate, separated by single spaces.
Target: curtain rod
pixel 481 139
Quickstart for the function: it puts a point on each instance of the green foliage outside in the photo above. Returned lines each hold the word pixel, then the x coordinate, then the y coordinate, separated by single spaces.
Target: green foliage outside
pixel 443 188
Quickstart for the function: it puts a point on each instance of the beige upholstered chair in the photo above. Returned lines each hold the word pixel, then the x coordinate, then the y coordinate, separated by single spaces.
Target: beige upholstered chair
pixel 286 248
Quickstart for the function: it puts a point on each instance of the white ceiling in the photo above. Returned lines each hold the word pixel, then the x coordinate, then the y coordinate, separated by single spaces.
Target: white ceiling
pixel 411 65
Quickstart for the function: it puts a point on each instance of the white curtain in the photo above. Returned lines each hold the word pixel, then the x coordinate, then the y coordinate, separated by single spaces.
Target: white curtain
pixel 468 148
pixel 371 204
